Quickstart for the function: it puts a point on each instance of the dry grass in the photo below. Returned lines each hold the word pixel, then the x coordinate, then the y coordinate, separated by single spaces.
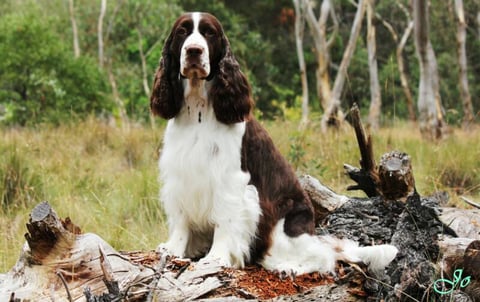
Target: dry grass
pixel 105 178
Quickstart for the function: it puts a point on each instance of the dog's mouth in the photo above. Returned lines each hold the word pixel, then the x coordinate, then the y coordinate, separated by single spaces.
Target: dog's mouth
pixel 195 71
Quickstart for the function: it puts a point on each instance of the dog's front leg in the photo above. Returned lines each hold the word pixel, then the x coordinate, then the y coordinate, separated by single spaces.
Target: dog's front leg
pixel 223 248
pixel 176 244
pixel 235 227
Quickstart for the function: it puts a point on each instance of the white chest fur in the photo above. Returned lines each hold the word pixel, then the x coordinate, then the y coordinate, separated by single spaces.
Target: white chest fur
pixel 209 204
pixel 201 157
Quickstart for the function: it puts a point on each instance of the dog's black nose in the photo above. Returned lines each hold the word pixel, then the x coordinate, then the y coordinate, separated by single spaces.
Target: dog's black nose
pixel 194 50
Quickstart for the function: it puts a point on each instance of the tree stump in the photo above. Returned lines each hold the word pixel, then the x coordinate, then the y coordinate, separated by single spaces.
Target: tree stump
pixel 393 178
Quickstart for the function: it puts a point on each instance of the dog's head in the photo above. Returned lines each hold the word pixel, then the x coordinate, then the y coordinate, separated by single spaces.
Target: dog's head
pixel 197 49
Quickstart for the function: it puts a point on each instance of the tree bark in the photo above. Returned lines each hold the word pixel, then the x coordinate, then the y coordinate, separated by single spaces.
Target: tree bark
pixel 375 95
pixel 432 125
pixel 299 31
pixel 462 64
pixel 76 44
pixel 103 9
pixel 331 116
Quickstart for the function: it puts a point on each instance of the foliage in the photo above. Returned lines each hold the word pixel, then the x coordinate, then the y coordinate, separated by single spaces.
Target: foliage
pixel 41 82
pixel 136 26
pixel 39 78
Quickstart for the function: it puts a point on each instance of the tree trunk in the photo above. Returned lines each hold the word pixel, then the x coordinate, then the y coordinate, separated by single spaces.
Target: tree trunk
pixel 103 9
pixel 122 112
pixel 375 96
pixel 76 45
pixel 322 47
pixel 462 64
pixel 403 75
pixel 399 56
pixel 143 60
pixel 299 31
pixel 478 24
pixel 331 116
pixel 430 110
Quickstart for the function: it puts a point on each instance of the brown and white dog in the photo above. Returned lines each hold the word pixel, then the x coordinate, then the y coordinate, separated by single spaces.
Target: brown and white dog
pixel 227 191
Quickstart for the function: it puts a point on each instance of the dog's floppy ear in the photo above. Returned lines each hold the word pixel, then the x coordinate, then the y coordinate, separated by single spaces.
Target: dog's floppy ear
pixel 230 92
pixel 167 93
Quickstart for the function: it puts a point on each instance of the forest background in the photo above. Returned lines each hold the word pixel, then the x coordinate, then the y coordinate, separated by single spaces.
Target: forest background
pixel 75 80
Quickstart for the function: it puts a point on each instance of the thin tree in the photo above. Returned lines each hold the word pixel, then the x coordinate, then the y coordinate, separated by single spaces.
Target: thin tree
pixel 76 44
pixel 299 31
pixel 143 60
pixel 375 95
pixel 478 24
pixel 331 116
pixel 429 104
pixel 107 64
pixel 399 56
pixel 103 10
pixel 462 64
pixel 403 74
pixel 318 29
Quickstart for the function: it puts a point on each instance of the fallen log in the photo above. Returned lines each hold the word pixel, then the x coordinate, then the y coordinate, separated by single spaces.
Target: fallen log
pixel 57 264
pixel 61 264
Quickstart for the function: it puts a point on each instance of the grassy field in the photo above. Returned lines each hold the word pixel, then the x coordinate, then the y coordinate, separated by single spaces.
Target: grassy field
pixel 105 178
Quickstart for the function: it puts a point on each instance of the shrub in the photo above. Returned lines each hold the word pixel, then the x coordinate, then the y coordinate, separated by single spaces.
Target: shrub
pixel 40 80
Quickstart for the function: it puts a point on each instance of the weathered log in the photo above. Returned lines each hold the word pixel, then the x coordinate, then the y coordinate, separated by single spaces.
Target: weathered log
pixel 324 200
pixel 188 284
pixel 81 267
pixel 466 223
pixel 56 264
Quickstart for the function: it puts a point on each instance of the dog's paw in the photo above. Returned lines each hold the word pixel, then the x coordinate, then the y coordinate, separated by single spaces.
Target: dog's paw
pixel 165 248
pixel 284 274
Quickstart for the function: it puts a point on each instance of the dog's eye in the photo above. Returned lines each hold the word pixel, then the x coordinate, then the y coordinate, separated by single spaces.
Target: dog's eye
pixel 209 33
pixel 181 31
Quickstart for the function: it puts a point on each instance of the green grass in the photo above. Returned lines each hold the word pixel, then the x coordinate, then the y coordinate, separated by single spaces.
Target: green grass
pixel 105 178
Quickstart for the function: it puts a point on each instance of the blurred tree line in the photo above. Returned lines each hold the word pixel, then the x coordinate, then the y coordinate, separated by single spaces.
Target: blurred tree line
pixel 44 77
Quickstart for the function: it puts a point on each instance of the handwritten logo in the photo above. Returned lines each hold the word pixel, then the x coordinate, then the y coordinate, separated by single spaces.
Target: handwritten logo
pixel 445 286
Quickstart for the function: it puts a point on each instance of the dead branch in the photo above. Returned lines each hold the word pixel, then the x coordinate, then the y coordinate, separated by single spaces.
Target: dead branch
pixel 468 201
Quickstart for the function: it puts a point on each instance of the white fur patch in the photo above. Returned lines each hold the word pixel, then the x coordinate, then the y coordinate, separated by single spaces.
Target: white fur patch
pixel 195 38
pixel 307 253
